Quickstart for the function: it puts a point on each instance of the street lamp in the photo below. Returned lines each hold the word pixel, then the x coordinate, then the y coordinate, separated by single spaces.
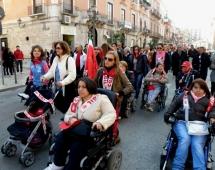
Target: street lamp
pixel 92 16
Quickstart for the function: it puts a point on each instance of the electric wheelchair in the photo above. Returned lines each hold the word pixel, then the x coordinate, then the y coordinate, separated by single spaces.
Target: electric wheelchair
pixel 101 155
pixel 170 146
pixel 160 99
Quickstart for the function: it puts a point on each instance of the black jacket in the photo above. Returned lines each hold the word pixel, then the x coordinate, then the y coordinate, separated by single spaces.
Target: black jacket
pixel 196 112
pixel 141 67
pixel 177 60
pixel 187 79
pixel 129 61
pixel 166 62
pixel 203 66
pixel 192 53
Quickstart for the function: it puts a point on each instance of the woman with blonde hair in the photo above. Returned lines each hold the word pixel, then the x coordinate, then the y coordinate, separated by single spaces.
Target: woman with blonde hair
pixel 110 77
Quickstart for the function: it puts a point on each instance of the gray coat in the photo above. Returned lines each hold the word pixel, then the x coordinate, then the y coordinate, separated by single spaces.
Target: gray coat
pixel 212 67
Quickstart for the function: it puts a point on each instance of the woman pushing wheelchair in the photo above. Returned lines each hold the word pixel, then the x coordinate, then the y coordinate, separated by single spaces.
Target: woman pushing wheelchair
pixel 88 110
pixel 191 125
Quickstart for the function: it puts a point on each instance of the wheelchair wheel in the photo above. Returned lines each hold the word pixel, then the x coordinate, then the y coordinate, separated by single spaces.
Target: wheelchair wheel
pixel 114 160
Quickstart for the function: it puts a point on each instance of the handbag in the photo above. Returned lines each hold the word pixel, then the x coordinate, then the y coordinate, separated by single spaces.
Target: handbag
pixel 196 128
pixel 63 99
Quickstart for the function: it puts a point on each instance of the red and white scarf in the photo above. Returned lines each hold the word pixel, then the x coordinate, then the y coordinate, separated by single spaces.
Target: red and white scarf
pixel 84 106
pixel 108 78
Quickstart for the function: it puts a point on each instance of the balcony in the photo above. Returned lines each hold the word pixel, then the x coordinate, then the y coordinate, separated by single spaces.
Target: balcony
pixel 155 35
pixel 37 10
pixel 145 4
pixel 125 25
pixel 146 31
pixel 97 18
pixel 156 13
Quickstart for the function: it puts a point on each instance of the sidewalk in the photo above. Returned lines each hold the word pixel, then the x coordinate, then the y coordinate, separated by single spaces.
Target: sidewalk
pixel 9 80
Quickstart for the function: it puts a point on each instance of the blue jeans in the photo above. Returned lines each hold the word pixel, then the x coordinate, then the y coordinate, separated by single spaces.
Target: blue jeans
pixel 138 77
pixel 153 94
pixel 185 140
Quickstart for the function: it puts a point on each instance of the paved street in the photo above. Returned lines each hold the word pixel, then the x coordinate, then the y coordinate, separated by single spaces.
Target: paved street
pixel 142 136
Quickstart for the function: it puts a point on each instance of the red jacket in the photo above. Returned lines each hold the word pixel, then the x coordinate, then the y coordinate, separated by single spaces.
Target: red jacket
pixel 19 55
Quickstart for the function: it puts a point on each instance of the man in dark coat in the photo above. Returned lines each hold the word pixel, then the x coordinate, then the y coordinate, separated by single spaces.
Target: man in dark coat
pixel 178 58
pixel 192 52
pixel 201 62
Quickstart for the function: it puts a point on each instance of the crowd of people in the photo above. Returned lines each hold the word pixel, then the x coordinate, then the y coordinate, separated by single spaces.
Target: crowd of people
pixel 121 70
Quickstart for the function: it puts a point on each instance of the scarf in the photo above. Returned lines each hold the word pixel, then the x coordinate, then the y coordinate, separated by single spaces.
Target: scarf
pixel 36 61
pixel 160 57
pixel 196 99
pixel 107 78
pixel 84 106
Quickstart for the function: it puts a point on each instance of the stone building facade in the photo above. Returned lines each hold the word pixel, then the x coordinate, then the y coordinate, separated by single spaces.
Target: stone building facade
pixel 30 22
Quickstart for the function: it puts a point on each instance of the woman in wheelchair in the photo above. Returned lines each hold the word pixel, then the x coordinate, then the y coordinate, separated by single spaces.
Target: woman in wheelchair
pixel 155 79
pixel 87 111
pixel 188 108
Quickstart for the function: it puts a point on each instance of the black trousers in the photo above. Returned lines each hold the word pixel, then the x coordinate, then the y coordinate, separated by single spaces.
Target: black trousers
pixel 78 146
pixel 212 88
pixel 19 64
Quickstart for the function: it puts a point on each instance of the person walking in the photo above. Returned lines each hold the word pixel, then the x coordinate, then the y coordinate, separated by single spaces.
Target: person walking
pixel 19 57
pixel 80 60
pixel 63 71
pixel 201 63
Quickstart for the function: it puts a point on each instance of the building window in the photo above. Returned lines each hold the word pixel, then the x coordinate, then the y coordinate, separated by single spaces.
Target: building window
pixel 123 15
pixel 110 12
pixel 37 6
pixel 92 3
pixel 141 24
pixel 68 6
pixel 133 20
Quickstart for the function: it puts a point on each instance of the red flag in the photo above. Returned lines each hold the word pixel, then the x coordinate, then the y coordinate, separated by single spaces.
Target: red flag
pixel 91 65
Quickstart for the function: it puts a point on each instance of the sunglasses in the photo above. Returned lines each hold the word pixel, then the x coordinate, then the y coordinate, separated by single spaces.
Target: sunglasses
pixel 159 48
pixel 58 48
pixel 109 59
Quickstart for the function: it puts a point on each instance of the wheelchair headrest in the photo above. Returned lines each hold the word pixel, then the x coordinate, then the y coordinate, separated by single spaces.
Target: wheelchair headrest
pixel 110 94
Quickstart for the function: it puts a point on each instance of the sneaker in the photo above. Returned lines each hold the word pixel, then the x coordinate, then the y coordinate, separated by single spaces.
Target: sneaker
pixel 150 109
pixel 23 95
pixel 146 105
pixel 52 166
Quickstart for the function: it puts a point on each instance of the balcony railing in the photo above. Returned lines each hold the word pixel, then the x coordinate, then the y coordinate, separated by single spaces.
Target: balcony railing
pixel 156 13
pixel 145 3
pixel 155 34
pixel 125 25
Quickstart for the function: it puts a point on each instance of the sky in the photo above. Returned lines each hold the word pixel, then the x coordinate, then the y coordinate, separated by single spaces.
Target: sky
pixel 191 14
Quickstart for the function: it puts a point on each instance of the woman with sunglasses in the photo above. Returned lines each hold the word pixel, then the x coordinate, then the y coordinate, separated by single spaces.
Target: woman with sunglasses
pixel 63 70
pixel 110 77
pixel 198 99
pixel 160 56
